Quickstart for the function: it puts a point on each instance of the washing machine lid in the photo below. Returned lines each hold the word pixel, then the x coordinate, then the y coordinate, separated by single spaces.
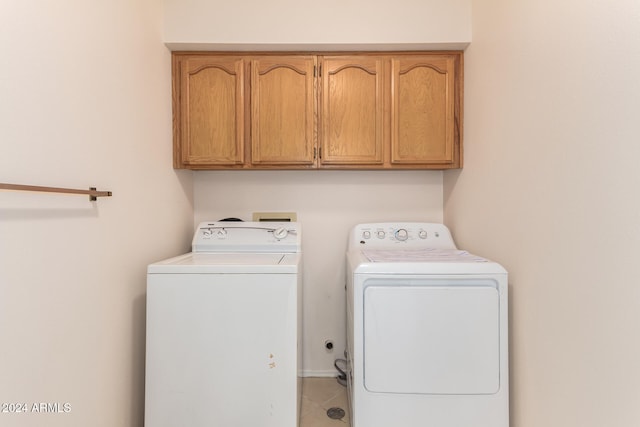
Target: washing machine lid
pixel 420 261
pixel 228 263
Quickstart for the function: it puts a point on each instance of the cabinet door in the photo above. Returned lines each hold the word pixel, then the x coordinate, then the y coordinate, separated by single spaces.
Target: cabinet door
pixel 283 112
pixel 211 110
pixel 423 124
pixel 352 110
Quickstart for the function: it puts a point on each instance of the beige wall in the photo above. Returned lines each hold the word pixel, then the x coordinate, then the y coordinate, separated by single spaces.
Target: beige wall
pixel 550 189
pixel 287 23
pixel 328 204
pixel 84 101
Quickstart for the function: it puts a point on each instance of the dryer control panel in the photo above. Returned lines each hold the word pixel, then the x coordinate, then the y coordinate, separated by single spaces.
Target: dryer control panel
pixel 401 235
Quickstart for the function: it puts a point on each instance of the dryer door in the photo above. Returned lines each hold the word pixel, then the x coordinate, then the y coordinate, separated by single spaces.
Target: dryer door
pixel 432 337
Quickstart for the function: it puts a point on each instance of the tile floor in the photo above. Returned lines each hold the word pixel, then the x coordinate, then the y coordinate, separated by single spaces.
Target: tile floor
pixel 319 395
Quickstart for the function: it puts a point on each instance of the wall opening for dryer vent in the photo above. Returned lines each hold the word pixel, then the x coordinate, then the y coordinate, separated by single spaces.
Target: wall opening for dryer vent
pixel 275 216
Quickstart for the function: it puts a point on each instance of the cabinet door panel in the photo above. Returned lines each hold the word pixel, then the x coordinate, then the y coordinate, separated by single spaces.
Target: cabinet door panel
pixel 283 110
pixel 212 111
pixel 352 110
pixel 423 108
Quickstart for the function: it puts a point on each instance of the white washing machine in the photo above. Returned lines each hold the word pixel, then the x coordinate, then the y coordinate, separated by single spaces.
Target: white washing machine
pixel 224 329
pixel 427 330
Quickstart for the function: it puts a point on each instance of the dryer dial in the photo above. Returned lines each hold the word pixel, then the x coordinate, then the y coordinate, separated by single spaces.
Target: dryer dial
pixel 402 234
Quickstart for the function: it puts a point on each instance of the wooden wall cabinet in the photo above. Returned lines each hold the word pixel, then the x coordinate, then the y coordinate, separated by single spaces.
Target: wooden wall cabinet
pixel 352 110
pixel 283 111
pixel 424 114
pixel 299 111
pixel 209 111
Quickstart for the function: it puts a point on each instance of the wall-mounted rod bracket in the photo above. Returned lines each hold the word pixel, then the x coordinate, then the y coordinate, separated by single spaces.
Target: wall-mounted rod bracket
pixel 91 192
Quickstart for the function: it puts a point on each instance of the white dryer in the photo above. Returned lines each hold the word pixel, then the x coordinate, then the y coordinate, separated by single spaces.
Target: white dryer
pixel 427 330
pixel 224 329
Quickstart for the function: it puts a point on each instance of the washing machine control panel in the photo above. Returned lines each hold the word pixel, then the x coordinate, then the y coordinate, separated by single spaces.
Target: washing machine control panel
pixel 405 235
pixel 247 237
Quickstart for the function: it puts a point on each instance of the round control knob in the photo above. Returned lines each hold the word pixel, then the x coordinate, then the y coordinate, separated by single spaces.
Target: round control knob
pixel 207 232
pixel 422 234
pixel 222 233
pixel 381 234
pixel 366 234
pixel 280 233
pixel 402 235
